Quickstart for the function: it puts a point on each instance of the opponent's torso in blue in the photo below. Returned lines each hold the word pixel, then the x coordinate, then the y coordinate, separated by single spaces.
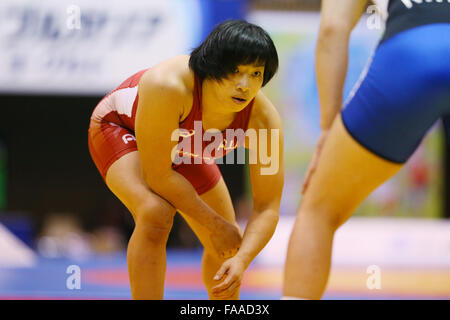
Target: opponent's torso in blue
pixel 407 14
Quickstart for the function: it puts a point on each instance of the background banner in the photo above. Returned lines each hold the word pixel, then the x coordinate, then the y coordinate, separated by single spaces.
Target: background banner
pixel 54 46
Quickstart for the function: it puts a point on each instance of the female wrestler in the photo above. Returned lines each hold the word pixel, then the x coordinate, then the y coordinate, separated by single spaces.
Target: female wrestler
pixel 131 142
pixel 406 89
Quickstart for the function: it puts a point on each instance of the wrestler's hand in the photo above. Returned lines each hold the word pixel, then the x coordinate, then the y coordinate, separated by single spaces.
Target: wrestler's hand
pixel 226 239
pixel 315 160
pixel 230 274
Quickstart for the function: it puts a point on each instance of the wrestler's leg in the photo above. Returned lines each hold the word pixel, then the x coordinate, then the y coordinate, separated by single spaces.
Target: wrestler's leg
pixel 153 216
pixel 346 174
pixel 218 199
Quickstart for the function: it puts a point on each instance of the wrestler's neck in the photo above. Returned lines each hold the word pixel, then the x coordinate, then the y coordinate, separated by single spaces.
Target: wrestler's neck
pixel 216 111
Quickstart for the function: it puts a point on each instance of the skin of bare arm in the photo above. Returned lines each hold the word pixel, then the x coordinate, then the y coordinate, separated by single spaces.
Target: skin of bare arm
pixel 163 97
pixel 338 18
pixel 266 191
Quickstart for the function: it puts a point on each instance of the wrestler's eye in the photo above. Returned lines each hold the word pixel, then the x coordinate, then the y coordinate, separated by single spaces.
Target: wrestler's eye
pixel 235 70
pixel 257 73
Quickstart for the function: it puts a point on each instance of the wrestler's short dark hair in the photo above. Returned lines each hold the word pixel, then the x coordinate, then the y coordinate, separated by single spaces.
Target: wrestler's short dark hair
pixel 233 43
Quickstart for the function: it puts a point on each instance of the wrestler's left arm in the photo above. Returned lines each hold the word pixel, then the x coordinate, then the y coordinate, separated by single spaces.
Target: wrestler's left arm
pixel 267 180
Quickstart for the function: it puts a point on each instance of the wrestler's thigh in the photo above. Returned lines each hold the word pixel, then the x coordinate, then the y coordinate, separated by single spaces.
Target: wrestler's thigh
pixel 346 174
pixel 218 198
pixel 124 178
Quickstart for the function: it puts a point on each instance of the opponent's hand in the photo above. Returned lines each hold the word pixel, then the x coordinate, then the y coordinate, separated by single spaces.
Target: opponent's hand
pixel 230 275
pixel 315 159
pixel 226 239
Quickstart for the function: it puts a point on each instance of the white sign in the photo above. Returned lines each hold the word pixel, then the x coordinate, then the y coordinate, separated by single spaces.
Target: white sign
pixel 90 47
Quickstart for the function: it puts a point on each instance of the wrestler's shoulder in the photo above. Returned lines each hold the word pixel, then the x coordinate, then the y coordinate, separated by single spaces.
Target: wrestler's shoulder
pixel 172 75
pixel 264 114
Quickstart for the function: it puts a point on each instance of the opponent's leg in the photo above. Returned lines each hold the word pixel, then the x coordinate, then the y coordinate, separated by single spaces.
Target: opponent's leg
pixel 346 174
pixel 218 199
pixel 153 216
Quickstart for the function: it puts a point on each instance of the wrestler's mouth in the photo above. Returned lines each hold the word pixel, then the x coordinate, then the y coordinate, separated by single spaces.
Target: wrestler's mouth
pixel 238 100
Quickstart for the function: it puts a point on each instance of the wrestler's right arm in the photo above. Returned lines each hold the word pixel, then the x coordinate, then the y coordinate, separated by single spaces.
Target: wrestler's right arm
pixel 338 18
pixel 161 104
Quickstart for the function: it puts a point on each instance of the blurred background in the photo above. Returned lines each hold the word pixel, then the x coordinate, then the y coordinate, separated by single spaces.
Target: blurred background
pixel 58 58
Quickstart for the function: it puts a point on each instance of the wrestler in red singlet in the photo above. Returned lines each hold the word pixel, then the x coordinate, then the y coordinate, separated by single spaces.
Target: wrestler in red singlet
pixel 111 132
pixel 133 137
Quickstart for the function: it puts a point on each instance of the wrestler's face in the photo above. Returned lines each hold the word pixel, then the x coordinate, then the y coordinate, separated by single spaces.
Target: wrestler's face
pixel 235 92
